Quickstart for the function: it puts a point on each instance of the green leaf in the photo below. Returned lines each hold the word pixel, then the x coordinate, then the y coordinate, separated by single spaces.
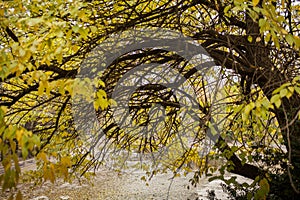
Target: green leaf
pixel 290 92
pixel 249 107
pixel 297 89
pixel 276 100
pixel 75 28
pixel 268 37
pixel 34 21
pixel 227 8
pixel 262 23
pixel 278 103
pixel 24 152
pixel 264 186
pixel 283 92
pixel 277 90
pixel 297 78
pixel 290 39
pixel 83 32
pixel 250 38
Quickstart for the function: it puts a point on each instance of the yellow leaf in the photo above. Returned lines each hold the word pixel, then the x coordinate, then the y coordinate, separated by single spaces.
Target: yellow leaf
pixel 19 134
pixel 52 173
pixel 249 107
pixel 255 2
pixel 112 102
pixel 1 12
pixel 96 105
pixel 3 108
pixel 22 52
pixel 66 161
pixel 101 100
pixel 40 89
pixel 19 195
pixel 297 40
pixel 42 156
pixel 93 29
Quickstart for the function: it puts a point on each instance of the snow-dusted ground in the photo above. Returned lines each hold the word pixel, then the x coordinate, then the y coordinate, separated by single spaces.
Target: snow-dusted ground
pixel 111 185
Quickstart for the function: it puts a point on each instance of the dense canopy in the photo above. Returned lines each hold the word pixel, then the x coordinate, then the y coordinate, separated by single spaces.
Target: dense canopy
pixel 251 46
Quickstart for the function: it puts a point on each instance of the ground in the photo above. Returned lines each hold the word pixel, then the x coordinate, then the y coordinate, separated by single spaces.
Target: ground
pixel 110 185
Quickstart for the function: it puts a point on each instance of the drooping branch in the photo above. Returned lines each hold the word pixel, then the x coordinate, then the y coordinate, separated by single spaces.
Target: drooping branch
pixel 246 170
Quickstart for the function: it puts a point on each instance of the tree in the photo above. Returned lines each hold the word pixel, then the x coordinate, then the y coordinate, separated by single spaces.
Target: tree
pixel 256 43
